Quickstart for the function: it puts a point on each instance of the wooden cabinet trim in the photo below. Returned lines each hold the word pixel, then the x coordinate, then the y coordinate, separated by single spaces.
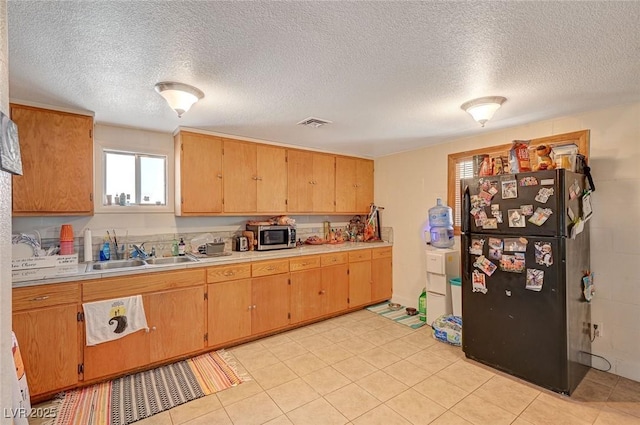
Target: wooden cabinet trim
pixel 31 297
pixel 381 252
pixel 268 268
pixel 359 255
pixel 123 286
pixel 304 263
pixel 333 259
pixel 226 273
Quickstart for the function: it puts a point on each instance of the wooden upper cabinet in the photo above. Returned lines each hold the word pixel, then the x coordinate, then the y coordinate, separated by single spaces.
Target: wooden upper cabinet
pixel 255 177
pixel 57 162
pixel 312 182
pixel 354 185
pixel 272 179
pixel 198 159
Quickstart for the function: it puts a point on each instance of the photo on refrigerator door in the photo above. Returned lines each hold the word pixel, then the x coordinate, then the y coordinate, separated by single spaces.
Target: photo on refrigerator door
pixel 543 253
pixel 535 279
pixel 512 263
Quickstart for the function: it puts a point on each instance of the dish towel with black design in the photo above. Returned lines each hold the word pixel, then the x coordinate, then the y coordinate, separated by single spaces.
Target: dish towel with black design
pixel 112 319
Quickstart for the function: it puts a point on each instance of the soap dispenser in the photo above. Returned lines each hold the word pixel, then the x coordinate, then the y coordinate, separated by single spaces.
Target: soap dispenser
pixel 181 247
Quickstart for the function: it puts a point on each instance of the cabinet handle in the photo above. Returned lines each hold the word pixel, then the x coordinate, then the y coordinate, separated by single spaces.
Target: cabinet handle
pixel 219 175
pixel 42 298
pixel 259 178
pixel 153 328
pixel 304 264
pixel 249 308
pixel 254 307
pixel 333 260
pixel 321 292
pixel 229 273
pixel 271 268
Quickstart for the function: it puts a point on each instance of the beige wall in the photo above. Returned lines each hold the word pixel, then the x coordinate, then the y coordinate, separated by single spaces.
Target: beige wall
pixel 408 184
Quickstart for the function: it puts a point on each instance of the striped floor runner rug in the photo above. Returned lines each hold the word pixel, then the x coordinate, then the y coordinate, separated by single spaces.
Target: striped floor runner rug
pixel 134 397
pixel 399 316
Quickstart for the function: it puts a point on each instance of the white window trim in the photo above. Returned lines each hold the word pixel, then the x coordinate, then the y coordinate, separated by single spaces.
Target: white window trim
pixel 99 208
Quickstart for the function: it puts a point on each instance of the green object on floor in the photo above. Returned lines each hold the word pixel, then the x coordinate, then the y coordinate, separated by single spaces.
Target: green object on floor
pixel 399 316
pixel 422 306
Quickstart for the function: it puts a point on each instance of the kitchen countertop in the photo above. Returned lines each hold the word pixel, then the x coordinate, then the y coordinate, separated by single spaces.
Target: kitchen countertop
pixel 79 272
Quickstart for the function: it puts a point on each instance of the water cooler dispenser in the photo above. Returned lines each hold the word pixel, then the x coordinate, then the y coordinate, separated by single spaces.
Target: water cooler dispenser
pixel 442 265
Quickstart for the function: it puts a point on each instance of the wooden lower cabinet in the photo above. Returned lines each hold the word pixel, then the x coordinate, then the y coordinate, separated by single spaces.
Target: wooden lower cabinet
pixel 176 322
pixel 229 311
pixel 359 277
pixel 176 327
pixel 48 342
pixel 308 297
pixel 113 357
pixel 381 274
pixel 335 282
pixel 270 303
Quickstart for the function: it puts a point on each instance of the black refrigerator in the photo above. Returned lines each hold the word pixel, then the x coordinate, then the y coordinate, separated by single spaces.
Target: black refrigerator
pixel 523 305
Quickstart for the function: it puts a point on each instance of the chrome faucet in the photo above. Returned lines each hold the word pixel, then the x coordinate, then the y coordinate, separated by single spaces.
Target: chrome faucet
pixel 142 254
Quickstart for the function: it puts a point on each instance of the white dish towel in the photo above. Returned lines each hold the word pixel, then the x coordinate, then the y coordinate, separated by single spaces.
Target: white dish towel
pixel 112 319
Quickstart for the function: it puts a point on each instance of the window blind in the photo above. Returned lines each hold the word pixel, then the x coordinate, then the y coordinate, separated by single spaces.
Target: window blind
pixel 464 169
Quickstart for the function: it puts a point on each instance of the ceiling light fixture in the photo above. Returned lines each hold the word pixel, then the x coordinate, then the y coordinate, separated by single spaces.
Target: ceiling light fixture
pixel 179 96
pixel 483 108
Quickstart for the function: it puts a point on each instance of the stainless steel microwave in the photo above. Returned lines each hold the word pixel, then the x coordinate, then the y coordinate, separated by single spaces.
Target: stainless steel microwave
pixel 273 236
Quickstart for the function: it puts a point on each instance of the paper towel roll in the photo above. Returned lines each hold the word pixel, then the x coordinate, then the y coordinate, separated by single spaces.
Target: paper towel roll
pixel 88 248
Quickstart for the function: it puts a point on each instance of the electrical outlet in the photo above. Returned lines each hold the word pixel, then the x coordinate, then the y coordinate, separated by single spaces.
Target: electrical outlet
pixel 597 330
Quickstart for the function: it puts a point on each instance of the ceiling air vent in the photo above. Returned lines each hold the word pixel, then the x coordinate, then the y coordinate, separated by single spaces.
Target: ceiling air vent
pixel 314 122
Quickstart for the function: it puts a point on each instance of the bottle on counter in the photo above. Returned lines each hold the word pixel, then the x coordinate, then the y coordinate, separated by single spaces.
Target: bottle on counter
pixel 117 199
pixel 181 247
pixel 174 248
pixel 105 252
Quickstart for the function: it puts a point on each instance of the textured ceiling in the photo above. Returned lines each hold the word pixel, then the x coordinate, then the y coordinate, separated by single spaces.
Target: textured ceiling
pixel 390 75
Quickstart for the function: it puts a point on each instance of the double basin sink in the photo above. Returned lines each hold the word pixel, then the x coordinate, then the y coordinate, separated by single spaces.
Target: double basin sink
pixel 133 263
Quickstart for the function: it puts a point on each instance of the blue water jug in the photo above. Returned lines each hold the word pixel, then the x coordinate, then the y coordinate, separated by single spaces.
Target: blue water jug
pixel 441 225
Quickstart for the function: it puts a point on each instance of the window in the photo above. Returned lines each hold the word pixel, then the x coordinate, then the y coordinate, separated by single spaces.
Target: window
pixel 461 165
pixel 141 177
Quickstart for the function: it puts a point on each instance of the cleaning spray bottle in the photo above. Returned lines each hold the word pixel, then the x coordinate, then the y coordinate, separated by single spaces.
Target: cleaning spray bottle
pixel 422 306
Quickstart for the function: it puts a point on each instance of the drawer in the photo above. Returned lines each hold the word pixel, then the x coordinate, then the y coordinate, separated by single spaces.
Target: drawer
pixel 31 297
pixel 225 273
pixel 304 263
pixel 267 268
pixel 438 283
pixel 381 253
pixel 333 259
pixel 359 255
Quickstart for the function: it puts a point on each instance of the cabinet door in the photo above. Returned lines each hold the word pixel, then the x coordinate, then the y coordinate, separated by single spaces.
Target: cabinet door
pixel 335 283
pixel 199 158
pixel 359 283
pixel 300 181
pixel 345 184
pixel 324 187
pixel 364 185
pixel 176 322
pixel 48 339
pixel 240 176
pixel 229 311
pixel 270 297
pixel 308 296
pixel 381 279
pixel 115 357
pixel 57 163
pixel 272 179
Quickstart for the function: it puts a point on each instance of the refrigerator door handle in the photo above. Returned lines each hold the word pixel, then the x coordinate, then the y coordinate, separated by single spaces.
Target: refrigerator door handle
pixel 466 207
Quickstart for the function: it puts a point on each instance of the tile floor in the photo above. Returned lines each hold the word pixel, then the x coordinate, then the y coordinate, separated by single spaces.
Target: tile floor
pixel 361 368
